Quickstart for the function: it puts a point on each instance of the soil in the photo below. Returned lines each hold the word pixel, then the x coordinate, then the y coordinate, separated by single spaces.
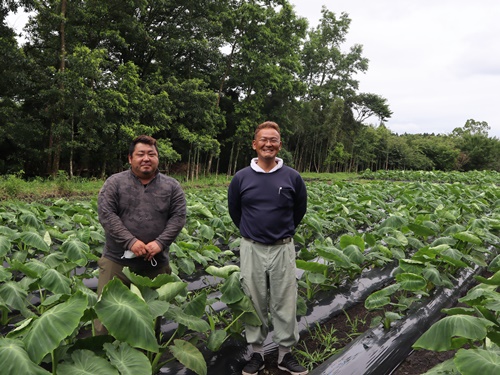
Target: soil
pixel 347 330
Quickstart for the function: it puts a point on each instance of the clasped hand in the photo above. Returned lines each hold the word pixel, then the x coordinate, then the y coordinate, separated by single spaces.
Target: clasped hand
pixel 148 251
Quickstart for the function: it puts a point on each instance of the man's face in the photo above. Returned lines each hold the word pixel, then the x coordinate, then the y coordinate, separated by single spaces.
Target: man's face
pixel 144 160
pixel 267 143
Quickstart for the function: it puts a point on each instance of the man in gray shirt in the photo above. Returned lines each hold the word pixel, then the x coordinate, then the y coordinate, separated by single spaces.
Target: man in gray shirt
pixel 142 211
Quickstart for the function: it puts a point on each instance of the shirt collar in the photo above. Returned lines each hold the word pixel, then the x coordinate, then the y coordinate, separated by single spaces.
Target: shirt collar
pixel 257 168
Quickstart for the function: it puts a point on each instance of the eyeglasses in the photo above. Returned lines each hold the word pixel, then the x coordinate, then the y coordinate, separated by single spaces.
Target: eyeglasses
pixel 273 141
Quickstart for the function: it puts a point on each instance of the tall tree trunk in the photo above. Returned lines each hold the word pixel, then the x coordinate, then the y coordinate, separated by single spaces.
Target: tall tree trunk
pixel 231 155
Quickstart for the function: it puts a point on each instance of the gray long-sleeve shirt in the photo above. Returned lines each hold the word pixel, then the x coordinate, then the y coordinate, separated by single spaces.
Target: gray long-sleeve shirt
pixel 130 211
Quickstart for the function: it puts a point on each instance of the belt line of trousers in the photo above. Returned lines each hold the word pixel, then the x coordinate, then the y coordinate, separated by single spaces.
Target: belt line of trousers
pixel 268 278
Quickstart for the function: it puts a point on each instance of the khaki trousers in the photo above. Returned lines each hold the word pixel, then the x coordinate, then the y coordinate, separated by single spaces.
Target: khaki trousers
pixel 268 278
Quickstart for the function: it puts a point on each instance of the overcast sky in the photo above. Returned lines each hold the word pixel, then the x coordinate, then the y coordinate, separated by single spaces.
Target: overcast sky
pixel 437 62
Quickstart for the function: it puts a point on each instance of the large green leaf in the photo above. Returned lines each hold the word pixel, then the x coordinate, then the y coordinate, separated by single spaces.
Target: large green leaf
pixel 86 362
pixel 13 295
pixel 194 323
pixel 76 250
pixel 55 282
pixel 347 240
pixel 468 237
pixel 477 361
pixel 311 266
pixel 440 337
pixel 199 209
pixel 34 240
pixel 4 274
pixel 127 360
pixel 231 289
pixel 394 222
pixel 337 256
pixel 169 291
pixel 187 354
pixel 354 254
pixel 421 230
pixel 157 282
pixel 15 360
pixel 380 298
pixel 53 326
pixel 126 316
pixel 5 246
pixel 206 232
pixel 223 272
pixel 216 339
pixel 411 282
pixel 197 305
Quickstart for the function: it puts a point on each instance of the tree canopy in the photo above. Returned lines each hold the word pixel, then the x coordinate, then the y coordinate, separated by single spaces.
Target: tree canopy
pixel 199 76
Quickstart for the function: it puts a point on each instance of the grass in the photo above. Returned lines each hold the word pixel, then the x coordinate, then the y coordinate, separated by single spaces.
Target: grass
pixel 15 187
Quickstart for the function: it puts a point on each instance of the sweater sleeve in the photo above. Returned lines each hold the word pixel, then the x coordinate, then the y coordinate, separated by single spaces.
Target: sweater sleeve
pixel 234 201
pixel 300 204
pixel 176 220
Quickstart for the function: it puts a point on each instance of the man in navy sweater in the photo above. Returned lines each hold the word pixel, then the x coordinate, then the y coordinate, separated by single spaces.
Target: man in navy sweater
pixel 267 200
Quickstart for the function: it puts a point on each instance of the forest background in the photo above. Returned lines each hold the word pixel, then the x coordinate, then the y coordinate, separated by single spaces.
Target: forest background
pixel 199 75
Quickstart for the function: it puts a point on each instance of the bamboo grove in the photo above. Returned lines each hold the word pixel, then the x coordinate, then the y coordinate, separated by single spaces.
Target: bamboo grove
pixel 88 75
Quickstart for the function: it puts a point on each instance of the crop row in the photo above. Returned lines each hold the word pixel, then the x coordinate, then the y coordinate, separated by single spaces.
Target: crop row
pixel 49 253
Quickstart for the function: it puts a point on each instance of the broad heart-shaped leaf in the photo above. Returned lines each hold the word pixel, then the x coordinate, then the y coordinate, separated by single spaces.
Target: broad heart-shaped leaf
pixel 477 361
pixel 440 336
pixel 206 232
pixel 347 240
pixel 245 306
pixel 411 265
pixel 127 360
pixel 4 275
pixel 231 289
pixel 186 265
pixel 411 282
pixel 75 250
pixel 84 362
pixel 187 354
pixel 380 298
pixel 394 222
pixel 197 305
pixel 194 323
pixel 145 281
pixel 32 268
pixel 354 254
pixel 56 282
pixel 13 295
pixel 223 272
pixel 169 291
pixel 15 359
pixel 5 246
pixel 126 316
pixel 216 339
pixel 157 282
pixel 200 209
pixel 53 326
pixel 34 240
pixel 468 237
pixel 311 266
pixel 421 230
pixel 335 255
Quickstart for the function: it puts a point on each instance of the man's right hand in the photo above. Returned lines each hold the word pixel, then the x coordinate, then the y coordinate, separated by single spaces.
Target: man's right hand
pixel 139 248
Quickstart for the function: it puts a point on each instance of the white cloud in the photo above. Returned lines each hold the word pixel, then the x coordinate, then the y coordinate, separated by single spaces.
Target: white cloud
pixel 436 62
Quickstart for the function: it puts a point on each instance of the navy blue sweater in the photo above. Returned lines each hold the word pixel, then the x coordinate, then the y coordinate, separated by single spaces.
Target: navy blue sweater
pixel 267 207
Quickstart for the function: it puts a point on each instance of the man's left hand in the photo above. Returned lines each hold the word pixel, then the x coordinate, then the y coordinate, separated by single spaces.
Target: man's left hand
pixel 152 249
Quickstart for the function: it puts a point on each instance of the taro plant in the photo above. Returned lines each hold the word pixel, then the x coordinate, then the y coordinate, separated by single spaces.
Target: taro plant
pixel 473 330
